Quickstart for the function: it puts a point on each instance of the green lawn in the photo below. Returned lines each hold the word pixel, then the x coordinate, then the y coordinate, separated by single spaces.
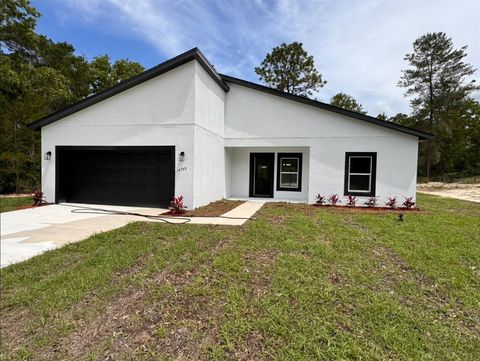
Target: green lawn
pixel 297 283
pixel 8 204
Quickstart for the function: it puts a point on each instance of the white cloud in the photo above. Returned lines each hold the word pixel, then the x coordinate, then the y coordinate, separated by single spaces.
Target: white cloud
pixel 358 45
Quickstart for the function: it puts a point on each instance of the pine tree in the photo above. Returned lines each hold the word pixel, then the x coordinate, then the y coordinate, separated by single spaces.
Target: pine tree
pixel 437 81
pixel 289 68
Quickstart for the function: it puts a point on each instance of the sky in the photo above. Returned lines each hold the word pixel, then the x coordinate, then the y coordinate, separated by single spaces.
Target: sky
pixel 358 45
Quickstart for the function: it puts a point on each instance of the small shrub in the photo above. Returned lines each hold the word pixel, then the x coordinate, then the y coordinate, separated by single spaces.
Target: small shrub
pixel 334 199
pixel 392 202
pixel 38 198
pixel 351 201
pixel 321 200
pixel 371 202
pixel 176 205
pixel 409 203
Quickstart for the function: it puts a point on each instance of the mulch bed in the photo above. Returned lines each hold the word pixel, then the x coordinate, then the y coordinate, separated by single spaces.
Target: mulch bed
pixel 369 209
pixel 32 206
pixel 213 209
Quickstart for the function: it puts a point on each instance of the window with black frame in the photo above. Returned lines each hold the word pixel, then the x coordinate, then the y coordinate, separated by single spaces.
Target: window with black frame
pixel 289 172
pixel 360 173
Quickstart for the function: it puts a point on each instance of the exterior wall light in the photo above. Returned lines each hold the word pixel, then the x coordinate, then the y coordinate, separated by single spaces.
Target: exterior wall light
pixel 181 157
pixel 48 155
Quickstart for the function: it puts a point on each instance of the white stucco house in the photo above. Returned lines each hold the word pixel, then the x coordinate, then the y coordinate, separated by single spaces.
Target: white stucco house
pixel 181 128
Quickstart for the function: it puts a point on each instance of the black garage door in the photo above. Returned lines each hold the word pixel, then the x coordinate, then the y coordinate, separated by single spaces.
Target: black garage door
pixel 136 176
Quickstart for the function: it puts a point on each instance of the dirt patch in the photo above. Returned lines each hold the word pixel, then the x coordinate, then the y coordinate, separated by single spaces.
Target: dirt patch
pixel 259 266
pixel 393 269
pixel 131 323
pixel 369 209
pixel 463 191
pixel 162 317
pixel 213 209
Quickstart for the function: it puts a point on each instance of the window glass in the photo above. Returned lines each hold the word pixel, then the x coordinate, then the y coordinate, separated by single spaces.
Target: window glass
pixel 289 180
pixel 360 173
pixel 360 164
pixel 289 172
pixel 359 183
pixel 289 165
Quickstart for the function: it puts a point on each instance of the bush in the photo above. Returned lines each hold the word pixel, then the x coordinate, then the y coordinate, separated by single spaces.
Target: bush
pixel 320 200
pixel 409 203
pixel 351 201
pixel 392 202
pixel 38 198
pixel 371 202
pixel 334 199
pixel 176 205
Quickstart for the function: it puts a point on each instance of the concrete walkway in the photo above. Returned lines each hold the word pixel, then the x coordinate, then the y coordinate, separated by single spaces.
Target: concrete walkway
pixel 28 232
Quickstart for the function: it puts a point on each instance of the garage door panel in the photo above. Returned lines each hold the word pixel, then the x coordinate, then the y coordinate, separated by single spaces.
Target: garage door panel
pixel 122 175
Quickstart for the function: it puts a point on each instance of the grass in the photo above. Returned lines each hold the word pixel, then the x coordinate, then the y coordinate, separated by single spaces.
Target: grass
pixel 298 283
pixel 8 204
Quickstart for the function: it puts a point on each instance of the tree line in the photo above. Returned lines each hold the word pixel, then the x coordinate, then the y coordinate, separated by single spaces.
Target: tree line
pixel 39 76
pixel 438 83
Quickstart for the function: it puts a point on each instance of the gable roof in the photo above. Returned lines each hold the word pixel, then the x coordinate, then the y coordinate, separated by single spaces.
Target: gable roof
pixel 192 54
pixel 366 118
pixel 222 80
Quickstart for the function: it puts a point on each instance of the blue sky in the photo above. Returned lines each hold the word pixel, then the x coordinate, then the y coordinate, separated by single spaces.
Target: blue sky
pixel 358 45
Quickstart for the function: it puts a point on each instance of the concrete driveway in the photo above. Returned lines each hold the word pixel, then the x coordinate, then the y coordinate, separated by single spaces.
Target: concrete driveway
pixel 28 232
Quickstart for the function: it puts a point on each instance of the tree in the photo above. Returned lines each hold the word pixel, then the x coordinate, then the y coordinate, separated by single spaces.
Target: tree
pixel 289 68
pixel 39 76
pixel 382 116
pixel 17 23
pixel 437 81
pixel 105 75
pixel 348 102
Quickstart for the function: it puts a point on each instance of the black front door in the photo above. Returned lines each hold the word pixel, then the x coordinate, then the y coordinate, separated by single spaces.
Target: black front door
pixel 261 174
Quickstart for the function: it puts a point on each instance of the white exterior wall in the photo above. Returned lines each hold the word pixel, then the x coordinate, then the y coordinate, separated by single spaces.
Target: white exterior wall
pixel 239 179
pixel 187 109
pixel 155 113
pixel 209 143
pixel 257 119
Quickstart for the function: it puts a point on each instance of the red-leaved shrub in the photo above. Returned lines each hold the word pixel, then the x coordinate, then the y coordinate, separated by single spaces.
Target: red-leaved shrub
pixel 371 202
pixel 176 205
pixel 38 198
pixel 334 199
pixel 409 203
pixel 351 201
pixel 320 200
pixel 392 202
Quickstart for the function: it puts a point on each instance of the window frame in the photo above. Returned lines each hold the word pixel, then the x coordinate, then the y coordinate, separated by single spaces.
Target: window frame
pixel 281 156
pixel 372 174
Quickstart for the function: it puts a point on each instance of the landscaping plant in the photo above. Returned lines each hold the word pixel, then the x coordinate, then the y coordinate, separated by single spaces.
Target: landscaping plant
pixel 371 202
pixel 334 199
pixel 176 205
pixel 409 203
pixel 38 198
pixel 392 202
pixel 351 201
pixel 320 200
